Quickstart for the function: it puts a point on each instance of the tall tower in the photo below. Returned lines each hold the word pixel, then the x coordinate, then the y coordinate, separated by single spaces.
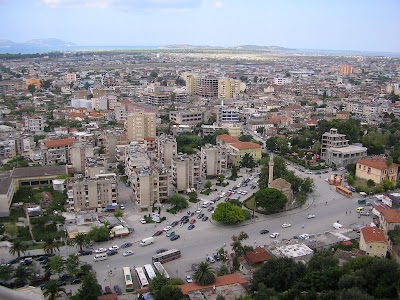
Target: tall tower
pixel 271 169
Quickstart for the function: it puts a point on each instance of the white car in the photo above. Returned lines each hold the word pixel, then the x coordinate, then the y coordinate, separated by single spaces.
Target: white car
pixel 309 172
pixel 167 228
pixel 115 247
pixel 310 216
pixel 188 278
pixel 304 236
pixel 286 225
pixel 143 221
pixel 127 253
pixel 274 235
pixel 100 250
pixel 210 259
pixel 244 192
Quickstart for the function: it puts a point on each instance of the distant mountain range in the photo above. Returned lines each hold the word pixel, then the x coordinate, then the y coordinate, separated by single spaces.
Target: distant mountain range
pixel 49 42
pixel 241 47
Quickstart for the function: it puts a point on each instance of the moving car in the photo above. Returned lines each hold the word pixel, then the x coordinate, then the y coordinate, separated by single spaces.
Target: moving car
pixel 191 226
pixel 188 278
pixel 161 250
pixel 128 253
pixel 101 250
pixel 286 225
pixel 157 233
pixel 264 231
pixel 310 216
pixel 126 245
pixel 274 235
pixel 175 237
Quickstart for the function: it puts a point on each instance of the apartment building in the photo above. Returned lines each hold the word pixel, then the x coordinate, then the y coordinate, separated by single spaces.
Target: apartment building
pixel 166 149
pixel 214 160
pixel 230 88
pixel 206 86
pixel 376 169
pixel 228 115
pixel 91 193
pixel 373 241
pixel 57 151
pixel 136 156
pixel 157 98
pixel 79 153
pixel 140 125
pixel 332 139
pixel 70 77
pixel 345 70
pixel 190 84
pixel 151 186
pixel 234 130
pixel 238 149
pixel 100 103
pixel 31 81
pixel 120 113
pixel 35 125
pixel 282 80
pixel 186 117
pixel 186 172
pixel 7 191
pixel 10 86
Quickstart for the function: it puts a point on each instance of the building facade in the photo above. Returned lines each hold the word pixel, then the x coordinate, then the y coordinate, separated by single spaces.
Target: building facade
pixel 185 172
pixel 376 169
pixel 140 125
pixel 214 161
pixel 166 149
pixel 373 241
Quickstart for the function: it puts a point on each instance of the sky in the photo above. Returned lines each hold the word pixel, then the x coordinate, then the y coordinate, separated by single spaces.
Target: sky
pixel 363 25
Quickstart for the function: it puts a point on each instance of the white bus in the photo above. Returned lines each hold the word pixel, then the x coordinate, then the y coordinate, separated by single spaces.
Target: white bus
pixel 142 279
pixel 160 269
pixel 149 271
pixel 128 279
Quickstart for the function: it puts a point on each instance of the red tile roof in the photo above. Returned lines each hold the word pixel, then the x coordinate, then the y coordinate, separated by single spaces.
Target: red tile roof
pixel 227 138
pixel 390 215
pixel 245 145
pixel 376 163
pixel 373 234
pixel 59 143
pixel 219 281
pixel 258 255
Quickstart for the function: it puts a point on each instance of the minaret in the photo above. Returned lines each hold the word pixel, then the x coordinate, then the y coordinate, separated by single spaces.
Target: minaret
pixel 271 169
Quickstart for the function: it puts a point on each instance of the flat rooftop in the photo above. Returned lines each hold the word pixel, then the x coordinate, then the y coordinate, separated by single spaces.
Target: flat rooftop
pixel 39 171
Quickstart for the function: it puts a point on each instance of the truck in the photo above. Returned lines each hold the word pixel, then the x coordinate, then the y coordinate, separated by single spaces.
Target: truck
pixel 118 231
pixel 332 179
pixel 337 225
pixel 147 241
pixel 338 180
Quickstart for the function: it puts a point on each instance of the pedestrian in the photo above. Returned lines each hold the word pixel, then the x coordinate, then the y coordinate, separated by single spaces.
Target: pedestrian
pixel 346 212
pixel 350 212
pixel 326 202
pixel 255 241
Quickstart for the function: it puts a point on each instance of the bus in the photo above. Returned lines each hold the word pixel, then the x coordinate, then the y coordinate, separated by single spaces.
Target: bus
pixel 160 269
pixel 149 271
pixel 128 279
pixel 142 279
pixel 343 191
pixel 167 256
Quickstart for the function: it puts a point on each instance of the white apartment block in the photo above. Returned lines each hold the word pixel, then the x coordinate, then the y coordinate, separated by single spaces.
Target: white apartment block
pixel 151 186
pixel 120 113
pixel 186 117
pixel 166 149
pixel 35 125
pixel 136 156
pixel 157 98
pixel 332 139
pixel 186 172
pixel 282 80
pixel 70 77
pixel 92 193
pixel 214 161
pixel 140 125
pixel 228 115
pixel 100 103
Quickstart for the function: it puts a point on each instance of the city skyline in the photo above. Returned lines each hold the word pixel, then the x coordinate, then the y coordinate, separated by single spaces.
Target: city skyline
pixel 353 25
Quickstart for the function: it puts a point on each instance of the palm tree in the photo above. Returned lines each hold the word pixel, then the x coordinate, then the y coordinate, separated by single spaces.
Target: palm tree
pixel 204 274
pixel 17 247
pixel 50 245
pixel 22 274
pixel 81 241
pixel 52 289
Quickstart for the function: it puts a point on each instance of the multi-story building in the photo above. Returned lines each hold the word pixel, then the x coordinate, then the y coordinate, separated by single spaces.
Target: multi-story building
pixel 7 191
pixel 214 160
pixel 282 80
pixel 140 125
pixel 79 153
pixel 228 115
pixel 186 117
pixel 230 88
pixel 10 86
pixel 185 172
pixel 120 113
pixel 238 149
pixel 35 125
pixel 100 103
pixel 31 81
pixel 190 84
pixel 57 151
pixel 151 186
pixel 373 241
pixel 157 98
pixel 332 139
pixel 166 149
pixel 91 193
pixel 345 70
pixel 376 169
pixel 206 86
pixel 136 156
pixel 70 77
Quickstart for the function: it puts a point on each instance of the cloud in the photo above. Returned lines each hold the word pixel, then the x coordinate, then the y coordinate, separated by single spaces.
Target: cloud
pixel 147 5
pixel 218 4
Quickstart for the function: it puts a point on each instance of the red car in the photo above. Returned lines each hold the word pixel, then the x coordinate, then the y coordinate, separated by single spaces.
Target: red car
pixel 192 221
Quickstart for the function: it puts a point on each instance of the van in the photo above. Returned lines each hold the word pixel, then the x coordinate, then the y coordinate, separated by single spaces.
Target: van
pixel 100 256
pixel 206 204
pixel 359 209
pixel 337 225
pixel 147 241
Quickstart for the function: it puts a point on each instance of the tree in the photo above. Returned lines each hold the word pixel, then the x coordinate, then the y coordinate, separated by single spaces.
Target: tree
pixel 118 213
pixel 370 183
pixel 221 178
pixel 193 197
pixel 99 234
pixel 271 200
pixel 237 245
pixel 387 185
pixel 307 185
pixel 81 241
pixel 204 274
pixel 228 213
pixel 18 247
pixel 6 272
pixel 247 161
pixel 207 185
pixel 178 202
pixel 52 289
pixel 234 172
pixel 11 229
pixel 31 88
pixel 165 289
pixel 23 275
pixel 50 246
pixel 223 270
pixel 153 74
pixel 57 264
pixel 246 138
pixel 72 265
pixel 90 288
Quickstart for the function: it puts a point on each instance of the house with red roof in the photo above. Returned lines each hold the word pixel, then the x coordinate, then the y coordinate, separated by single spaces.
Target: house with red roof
pixel 376 169
pixel 57 151
pixel 373 241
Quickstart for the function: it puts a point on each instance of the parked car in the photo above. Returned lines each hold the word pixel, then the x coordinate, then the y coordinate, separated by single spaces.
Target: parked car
pixel 184 221
pixel 85 252
pixel 192 221
pixel 43 257
pixel 126 245
pixel 217 257
pixel 117 290
pixel 188 278
pixel 64 276
pixel 191 226
pixel 286 225
pixel 210 259
pixel 76 281
pixel 173 224
pixel 100 250
pixel 128 253
pixel 200 216
pixel 170 233
pixel 111 252
pixel 210 208
pixel 61 283
pixel 107 290
pixel 115 247
pixel 274 235
pixel 161 250
pixel 167 228
pixel 159 232
pixel 143 221
pixel 264 231
pixel 175 237
pixel 204 219
pixel 310 216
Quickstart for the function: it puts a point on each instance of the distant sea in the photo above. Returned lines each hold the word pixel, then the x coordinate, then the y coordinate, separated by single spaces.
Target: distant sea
pixel 27 49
